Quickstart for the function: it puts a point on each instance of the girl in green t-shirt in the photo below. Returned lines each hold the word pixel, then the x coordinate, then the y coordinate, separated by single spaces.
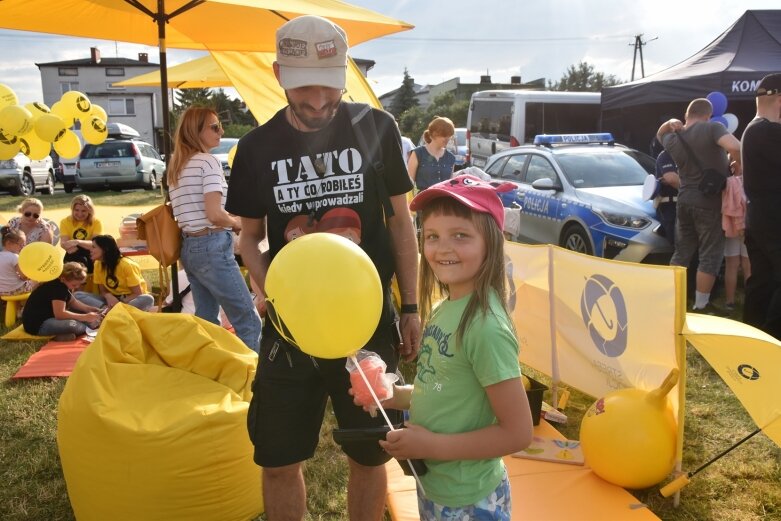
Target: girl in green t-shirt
pixel 468 407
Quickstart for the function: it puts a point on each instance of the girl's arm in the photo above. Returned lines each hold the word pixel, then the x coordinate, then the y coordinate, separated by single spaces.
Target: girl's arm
pixel 78 305
pixel 135 291
pixel 61 312
pixel 216 213
pixel 412 166
pixel 511 433
pixel 109 297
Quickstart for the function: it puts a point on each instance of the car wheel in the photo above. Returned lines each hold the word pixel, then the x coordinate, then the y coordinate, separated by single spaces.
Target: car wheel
pixel 49 188
pixel 152 184
pixel 69 187
pixel 28 185
pixel 576 239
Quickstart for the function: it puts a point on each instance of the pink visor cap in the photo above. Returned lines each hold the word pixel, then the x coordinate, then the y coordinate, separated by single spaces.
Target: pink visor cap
pixel 470 191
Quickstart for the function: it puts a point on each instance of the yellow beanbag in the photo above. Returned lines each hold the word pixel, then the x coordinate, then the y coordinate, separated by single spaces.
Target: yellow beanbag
pixel 18 333
pixel 152 423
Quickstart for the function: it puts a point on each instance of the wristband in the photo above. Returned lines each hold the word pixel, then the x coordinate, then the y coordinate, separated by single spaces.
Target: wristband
pixel 409 308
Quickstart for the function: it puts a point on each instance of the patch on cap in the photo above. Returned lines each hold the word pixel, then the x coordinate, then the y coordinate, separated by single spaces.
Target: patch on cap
pixel 326 49
pixel 292 47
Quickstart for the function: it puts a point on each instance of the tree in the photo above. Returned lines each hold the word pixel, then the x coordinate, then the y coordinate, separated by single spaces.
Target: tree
pixel 583 78
pixel 191 97
pixel 415 120
pixel 405 97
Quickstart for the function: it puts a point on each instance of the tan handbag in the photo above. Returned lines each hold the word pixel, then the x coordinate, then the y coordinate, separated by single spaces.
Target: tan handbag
pixel 161 232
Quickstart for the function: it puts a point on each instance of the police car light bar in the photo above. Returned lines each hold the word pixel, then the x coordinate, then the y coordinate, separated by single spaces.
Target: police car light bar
pixel 551 139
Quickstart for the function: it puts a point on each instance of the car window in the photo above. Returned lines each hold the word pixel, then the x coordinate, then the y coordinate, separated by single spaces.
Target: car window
pixel 495 169
pixel 513 169
pixel 107 149
pixel 224 146
pixel 646 161
pixel 491 117
pixel 540 168
pixel 599 169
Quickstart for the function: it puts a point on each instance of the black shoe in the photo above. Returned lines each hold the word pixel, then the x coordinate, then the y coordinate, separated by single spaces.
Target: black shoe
pixel 65 337
pixel 710 309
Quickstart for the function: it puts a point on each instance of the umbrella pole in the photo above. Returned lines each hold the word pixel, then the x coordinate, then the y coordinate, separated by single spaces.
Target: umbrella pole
pixel 161 20
pixel 683 480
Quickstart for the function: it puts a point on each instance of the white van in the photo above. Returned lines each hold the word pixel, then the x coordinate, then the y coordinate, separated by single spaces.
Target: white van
pixel 499 119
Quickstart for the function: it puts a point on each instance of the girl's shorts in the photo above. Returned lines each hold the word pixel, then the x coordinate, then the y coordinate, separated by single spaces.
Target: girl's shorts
pixel 495 507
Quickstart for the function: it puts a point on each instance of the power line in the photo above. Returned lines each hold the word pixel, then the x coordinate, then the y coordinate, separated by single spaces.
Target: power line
pixel 638 45
pixel 504 40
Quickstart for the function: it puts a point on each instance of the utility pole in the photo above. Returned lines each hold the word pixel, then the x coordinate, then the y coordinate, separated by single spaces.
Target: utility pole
pixel 638 45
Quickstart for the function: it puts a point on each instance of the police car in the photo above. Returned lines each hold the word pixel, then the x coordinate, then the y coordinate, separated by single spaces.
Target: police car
pixel 583 192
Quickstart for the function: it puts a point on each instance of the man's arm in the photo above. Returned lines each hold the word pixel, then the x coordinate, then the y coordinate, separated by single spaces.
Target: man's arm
pixel 253 231
pixel 405 252
pixel 732 145
pixel 672 125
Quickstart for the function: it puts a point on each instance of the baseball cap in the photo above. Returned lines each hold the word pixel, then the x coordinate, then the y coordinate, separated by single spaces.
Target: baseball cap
pixel 471 191
pixel 769 85
pixel 311 51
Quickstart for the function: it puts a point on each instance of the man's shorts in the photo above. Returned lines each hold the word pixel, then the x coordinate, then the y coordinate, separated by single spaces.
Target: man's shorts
pixel 698 230
pixel 290 393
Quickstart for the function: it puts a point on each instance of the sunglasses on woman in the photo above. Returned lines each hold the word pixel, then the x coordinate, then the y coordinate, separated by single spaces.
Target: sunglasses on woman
pixel 216 126
pixel 31 214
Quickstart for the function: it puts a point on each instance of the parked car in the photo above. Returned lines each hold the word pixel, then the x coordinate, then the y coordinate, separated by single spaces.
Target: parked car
pixel 23 176
pixel 457 145
pixel 221 152
pixel 122 161
pixel 583 192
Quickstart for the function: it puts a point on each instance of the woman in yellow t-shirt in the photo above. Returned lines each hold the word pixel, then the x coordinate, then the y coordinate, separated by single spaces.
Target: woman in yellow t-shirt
pixel 78 229
pixel 116 277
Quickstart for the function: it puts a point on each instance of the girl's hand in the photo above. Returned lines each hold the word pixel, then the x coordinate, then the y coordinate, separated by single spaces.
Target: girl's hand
pixel 90 317
pixel 411 442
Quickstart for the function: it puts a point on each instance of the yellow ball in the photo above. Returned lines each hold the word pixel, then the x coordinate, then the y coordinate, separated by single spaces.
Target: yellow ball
pixel 77 103
pixel 629 438
pixel 15 120
pixel 7 96
pixel 68 145
pixel 65 112
pixel 40 261
pixel 34 147
pixel 94 131
pixel 49 127
pixel 37 109
pixel 324 291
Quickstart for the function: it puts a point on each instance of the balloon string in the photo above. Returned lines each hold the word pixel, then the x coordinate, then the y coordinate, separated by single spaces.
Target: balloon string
pixel 384 415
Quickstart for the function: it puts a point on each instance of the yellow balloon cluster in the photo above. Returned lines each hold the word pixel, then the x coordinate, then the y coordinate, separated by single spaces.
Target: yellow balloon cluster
pixel 331 309
pixel 33 128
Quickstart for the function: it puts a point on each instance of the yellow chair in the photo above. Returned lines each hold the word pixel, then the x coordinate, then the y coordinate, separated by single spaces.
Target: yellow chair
pixel 10 306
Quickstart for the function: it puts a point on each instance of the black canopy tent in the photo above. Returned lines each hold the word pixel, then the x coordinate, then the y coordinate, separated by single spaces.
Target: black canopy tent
pixel 732 64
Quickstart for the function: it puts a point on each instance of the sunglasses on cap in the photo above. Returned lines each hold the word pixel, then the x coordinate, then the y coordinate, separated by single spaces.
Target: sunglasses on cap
pixel 31 214
pixel 278 324
pixel 216 126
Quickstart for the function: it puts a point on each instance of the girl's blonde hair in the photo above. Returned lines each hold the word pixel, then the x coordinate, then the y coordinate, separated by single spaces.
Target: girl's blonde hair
pixel 86 202
pixel 74 271
pixel 441 126
pixel 490 276
pixel 187 140
pixel 30 201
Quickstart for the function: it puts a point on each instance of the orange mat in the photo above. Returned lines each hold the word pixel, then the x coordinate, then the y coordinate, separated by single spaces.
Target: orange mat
pixel 53 359
pixel 541 491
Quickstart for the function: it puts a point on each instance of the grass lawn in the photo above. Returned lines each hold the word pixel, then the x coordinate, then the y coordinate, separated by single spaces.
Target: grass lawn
pixel 743 486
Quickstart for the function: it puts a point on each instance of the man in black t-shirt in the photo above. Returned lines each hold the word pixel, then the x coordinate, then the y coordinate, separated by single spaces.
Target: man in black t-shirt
pixel 761 152
pixel 287 174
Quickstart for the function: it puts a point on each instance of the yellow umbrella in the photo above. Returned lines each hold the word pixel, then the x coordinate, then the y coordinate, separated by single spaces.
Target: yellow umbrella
pixel 251 74
pixel 749 362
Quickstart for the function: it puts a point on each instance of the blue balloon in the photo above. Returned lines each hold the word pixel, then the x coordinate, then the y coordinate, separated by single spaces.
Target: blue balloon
pixel 719 102
pixel 720 119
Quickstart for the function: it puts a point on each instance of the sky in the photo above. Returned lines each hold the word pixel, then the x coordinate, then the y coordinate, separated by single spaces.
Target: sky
pixel 463 39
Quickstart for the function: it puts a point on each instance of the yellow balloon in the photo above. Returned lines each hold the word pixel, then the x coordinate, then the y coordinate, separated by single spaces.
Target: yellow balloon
pixel 7 96
pixel 34 147
pixel 629 436
pixel 62 110
pixel 94 131
pixel 324 294
pixel 232 154
pixel 41 261
pixel 78 103
pixel 68 145
pixel 49 127
pixel 98 111
pixel 15 120
pixel 37 109
pixel 9 146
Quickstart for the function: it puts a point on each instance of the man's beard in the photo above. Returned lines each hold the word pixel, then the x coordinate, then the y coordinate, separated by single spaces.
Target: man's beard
pixel 309 122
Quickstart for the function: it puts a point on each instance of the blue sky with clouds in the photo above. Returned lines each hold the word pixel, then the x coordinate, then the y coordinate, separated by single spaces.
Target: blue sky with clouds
pixel 465 39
